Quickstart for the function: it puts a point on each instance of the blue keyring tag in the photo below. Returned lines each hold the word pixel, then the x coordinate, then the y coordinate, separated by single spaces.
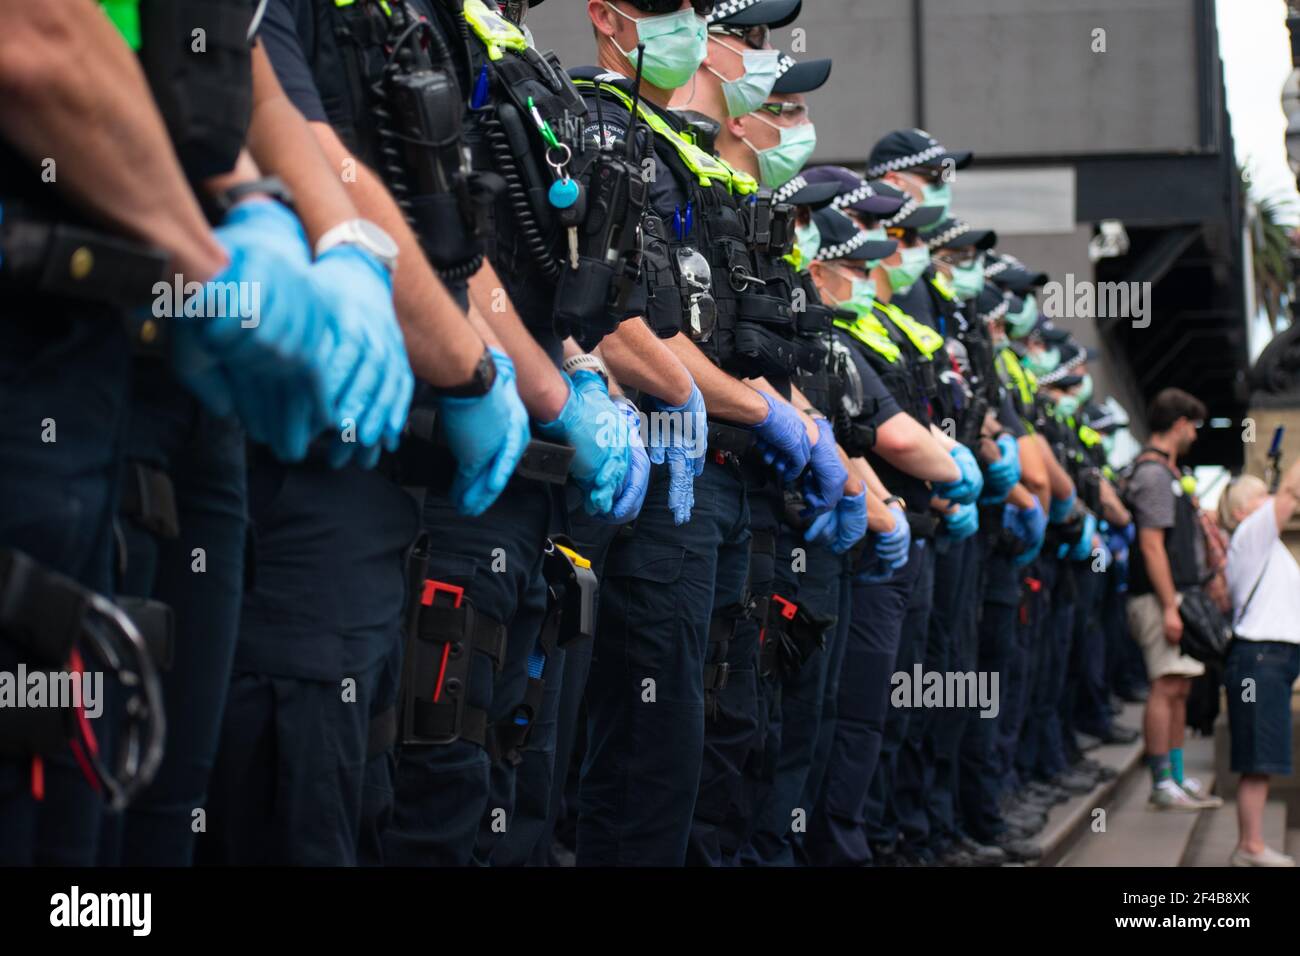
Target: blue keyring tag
pixel 563 193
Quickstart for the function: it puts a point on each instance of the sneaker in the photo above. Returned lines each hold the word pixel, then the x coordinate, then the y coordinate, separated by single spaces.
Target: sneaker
pixel 1167 795
pixel 1265 857
pixel 1193 788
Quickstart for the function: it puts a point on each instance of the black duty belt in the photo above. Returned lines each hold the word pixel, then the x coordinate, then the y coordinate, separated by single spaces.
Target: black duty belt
pixel 922 525
pixel 423 459
pixel 729 440
pixel 73 261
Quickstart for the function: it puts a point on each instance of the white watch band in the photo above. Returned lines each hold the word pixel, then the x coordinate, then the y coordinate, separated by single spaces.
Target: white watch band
pixel 363 233
pixel 590 362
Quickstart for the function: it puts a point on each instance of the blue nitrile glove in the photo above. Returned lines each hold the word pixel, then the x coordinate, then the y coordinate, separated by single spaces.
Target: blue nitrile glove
pixel 367 373
pixel 1081 550
pixel 966 489
pixel 586 423
pixel 1059 510
pixel 782 438
pixel 1029 525
pixel 823 484
pixel 842 527
pixel 262 361
pixel 893 546
pixel 962 523
pixel 628 501
pixel 487 436
pixel 1002 475
pixel 679 435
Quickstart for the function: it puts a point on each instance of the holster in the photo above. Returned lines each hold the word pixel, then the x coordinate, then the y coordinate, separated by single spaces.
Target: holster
pixel 793 634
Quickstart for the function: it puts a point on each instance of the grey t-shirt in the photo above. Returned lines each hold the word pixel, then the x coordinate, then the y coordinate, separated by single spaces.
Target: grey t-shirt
pixel 1151 495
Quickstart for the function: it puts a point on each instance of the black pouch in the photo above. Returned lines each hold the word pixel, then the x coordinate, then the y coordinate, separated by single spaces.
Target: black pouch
pixel 198 59
pixel 438 222
pixel 582 301
pixel 758 351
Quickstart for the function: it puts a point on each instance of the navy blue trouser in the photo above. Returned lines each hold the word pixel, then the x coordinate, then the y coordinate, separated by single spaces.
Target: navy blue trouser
pixel 795 707
pixel 454 803
pixel 895 772
pixel 64 386
pixel 200 576
pixel 837 835
pixel 319 627
pixel 645 691
pixel 1059 635
pixel 980 786
pixel 592 539
pixel 830 700
pixel 1086 700
pixel 952 648
pixel 734 729
pixel 1020 678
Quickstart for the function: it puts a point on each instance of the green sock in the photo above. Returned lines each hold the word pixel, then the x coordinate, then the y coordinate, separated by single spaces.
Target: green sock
pixel 1160 770
pixel 1176 764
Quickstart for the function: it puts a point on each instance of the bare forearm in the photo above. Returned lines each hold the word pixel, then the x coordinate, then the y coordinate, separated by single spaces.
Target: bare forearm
pixel 1022 497
pixel 71 92
pixel 1057 478
pixel 639 359
pixel 1033 472
pixel 1112 508
pixel 541 386
pixel 725 397
pixel 909 447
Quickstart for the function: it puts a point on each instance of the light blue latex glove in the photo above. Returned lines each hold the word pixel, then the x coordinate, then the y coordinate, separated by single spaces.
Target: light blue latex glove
pixel 487 436
pixel 841 528
pixel 1059 510
pixel 628 501
pixel 782 438
pixel 893 546
pixel 590 424
pixel 823 484
pixel 1029 525
pixel 261 358
pixel 367 373
pixel 1002 475
pixel 966 489
pixel 962 523
pixel 1081 550
pixel 679 436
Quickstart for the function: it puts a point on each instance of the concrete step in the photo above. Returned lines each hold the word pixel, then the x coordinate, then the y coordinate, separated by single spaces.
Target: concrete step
pixel 1136 836
pixel 1068 820
pixel 1216 833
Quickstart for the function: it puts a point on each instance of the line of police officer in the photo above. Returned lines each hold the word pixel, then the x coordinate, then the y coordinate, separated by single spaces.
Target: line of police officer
pixel 558 419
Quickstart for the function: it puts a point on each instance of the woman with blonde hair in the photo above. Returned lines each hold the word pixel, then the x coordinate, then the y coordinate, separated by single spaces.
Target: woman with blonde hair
pixel 1264 658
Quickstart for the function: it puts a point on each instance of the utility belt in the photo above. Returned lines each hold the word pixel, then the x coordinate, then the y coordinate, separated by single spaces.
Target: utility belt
pixel 45 616
pixel 423 459
pixel 444 631
pixel 923 525
pixel 729 443
pixel 73 261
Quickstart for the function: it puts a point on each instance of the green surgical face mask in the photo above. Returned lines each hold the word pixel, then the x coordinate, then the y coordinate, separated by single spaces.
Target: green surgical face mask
pixel 780 164
pixel 916 259
pixel 968 281
pixel 754 86
pixel 1085 389
pixel 1040 363
pixel 937 196
pixel 1018 325
pixel 863 295
pixel 809 240
pixel 1067 405
pixel 675 46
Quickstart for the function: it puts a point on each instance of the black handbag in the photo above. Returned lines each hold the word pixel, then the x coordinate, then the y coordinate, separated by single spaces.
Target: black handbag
pixel 1206 632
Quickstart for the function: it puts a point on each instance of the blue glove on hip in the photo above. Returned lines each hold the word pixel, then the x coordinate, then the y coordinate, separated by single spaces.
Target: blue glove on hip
pixel 1081 550
pixel 591 424
pixel 1059 510
pixel 893 546
pixel 851 521
pixel 823 484
pixel 966 489
pixel 487 436
pixel 678 435
pixel 1029 525
pixel 962 523
pixel 628 501
pixel 367 373
pixel 782 438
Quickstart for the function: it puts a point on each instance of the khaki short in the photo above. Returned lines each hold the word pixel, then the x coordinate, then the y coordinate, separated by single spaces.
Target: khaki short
pixel 1146 623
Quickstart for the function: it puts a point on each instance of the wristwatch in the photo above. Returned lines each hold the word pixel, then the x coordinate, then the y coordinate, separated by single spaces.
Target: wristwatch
pixel 895 500
pixel 591 363
pixel 479 384
pixel 221 203
pixel 363 233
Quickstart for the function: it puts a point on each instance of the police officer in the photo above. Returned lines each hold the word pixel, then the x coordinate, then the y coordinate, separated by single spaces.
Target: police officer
pixel 646 691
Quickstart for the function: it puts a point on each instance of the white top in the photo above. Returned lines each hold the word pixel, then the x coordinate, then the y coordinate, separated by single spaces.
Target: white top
pixel 1274 612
